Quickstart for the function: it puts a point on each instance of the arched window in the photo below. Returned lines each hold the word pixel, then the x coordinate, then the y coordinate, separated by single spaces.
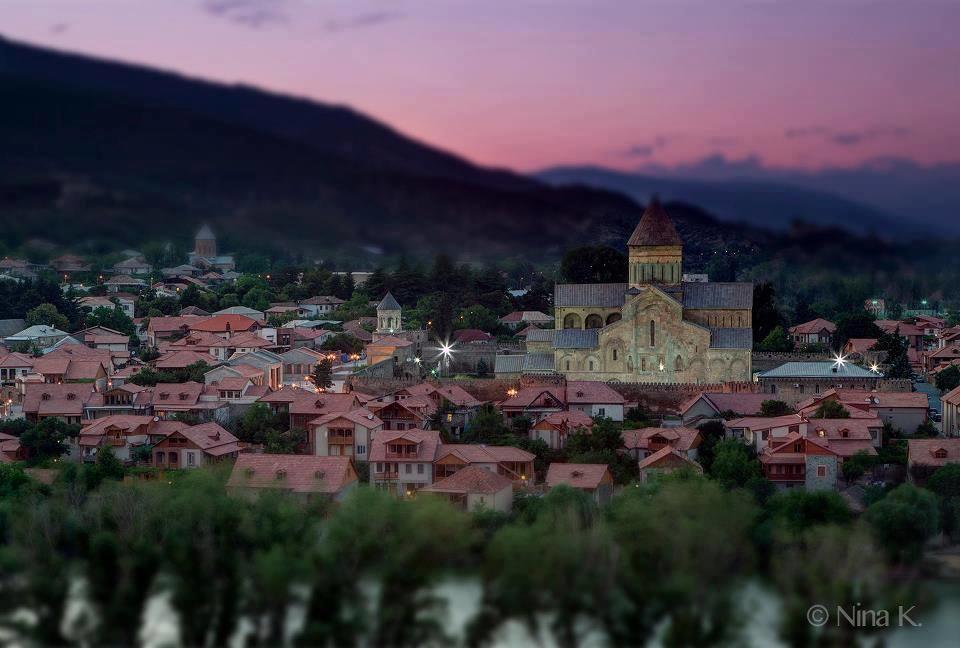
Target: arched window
pixel 613 317
pixel 614 355
pixel 678 363
pixel 653 333
pixel 568 365
pixel 571 321
pixel 591 365
pixel 594 321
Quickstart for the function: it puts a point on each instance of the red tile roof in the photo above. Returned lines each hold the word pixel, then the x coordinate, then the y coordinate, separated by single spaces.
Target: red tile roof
pixel 588 476
pixel 224 323
pixel 181 359
pixel 479 453
pixel 655 227
pixel 466 336
pixel 924 451
pixel 66 399
pixel 295 473
pixel 814 326
pixel 680 438
pixel 581 392
pixel 670 456
pixel 211 438
pixel 427 443
pixel 471 479
pixel 363 417
pixel 744 404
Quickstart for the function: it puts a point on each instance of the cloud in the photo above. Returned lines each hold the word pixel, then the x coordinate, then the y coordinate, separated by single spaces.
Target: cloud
pixel 59 28
pixel 847 137
pixel 255 14
pixel 647 149
pixel 361 20
pixel 640 150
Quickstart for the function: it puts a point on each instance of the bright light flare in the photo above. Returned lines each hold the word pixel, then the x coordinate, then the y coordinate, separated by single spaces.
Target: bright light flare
pixel 840 360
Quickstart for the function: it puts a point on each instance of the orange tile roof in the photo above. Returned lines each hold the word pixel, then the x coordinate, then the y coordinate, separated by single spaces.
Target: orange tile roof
pixel 224 323
pixel 471 479
pixel 296 473
pixel 588 476
pixel 814 326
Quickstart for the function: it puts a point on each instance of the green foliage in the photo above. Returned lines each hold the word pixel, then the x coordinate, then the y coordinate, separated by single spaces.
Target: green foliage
pixel 766 313
pixel 48 439
pixel 948 379
pixel 797 511
pixel 777 341
pixel 945 482
pixel 831 409
pixel 48 315
pixel 903 521
pixel 148 376
pixel 733 466
pixel 855 324
pixel 285 441
pixel 856 466
pixel 712 433
pixel 486 426
pixel 322 375
pixel 342 342
pixel 895 347
pixel 926 430
pixel 111 318
pixel 774 408
pixel 258 422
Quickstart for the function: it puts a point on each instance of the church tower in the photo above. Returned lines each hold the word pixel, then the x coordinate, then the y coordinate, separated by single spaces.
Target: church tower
pixel 205 243
pixel 389 315
pixel 655 249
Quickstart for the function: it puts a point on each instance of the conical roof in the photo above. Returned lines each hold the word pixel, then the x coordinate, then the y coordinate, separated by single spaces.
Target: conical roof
pixel 388 303
pixel 655 227
pixel 205 234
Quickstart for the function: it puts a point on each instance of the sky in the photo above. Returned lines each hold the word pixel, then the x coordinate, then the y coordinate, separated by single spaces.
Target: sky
pixel 528 84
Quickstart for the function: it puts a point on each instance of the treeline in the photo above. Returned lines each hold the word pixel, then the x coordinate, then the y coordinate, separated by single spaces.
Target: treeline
pixel 673 556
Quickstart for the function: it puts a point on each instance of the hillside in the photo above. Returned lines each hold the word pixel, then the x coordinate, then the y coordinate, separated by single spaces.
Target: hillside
pixel 763 203
pixel 100 156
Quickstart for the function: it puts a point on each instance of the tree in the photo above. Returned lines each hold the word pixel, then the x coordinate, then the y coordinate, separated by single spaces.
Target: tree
pixel 593 265
pixel 895 347
pixel 486 426
pixel 322 375
pixel 856 466
pixel 258 423
pixel 766 315
pixel 831 409
pixel 903 521
pixel 48 439
pixel 732 464
pixel 47 314
pixel 945 482
pixel 774 408
pixel 712 433
pixel 948 379
pixel 483 370
pixel 777 341
pixel 855 325
pixel 797 510
pixel 111 318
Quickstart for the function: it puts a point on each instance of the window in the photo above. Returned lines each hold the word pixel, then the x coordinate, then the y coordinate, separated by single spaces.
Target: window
pixel 601 411
pixel 591 365
pixel 821 471
pixel 408 469
pixel 614 355
pixel 419 469
pixel 678 363
pixel 653 333
pixel 191 459
pixel 568 365
pixel 361 449
pixel 379 467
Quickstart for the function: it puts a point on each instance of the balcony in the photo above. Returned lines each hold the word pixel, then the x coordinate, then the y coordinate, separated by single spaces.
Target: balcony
pixel 386 476
pixel 401 455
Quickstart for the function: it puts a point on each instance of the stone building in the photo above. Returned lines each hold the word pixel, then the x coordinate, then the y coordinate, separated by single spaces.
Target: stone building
pixel 655 327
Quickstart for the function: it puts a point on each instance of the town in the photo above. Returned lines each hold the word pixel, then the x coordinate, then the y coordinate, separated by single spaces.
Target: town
pixel 323 385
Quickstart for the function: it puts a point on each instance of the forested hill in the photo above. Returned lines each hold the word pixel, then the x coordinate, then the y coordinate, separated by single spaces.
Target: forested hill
pixel 101 155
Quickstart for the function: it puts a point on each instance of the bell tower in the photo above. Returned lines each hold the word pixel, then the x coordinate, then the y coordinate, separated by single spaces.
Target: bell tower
pixel 389 315
pixel 655 249
pixel 205 243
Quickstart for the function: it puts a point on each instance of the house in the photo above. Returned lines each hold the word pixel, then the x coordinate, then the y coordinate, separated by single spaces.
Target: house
pixel 170 328
pixel 10 449
pixel 512 463
pixel 270 365
pixel 195 446
pixel 904 411
pixel 713 406
pixel 244 342
pixel 69 263
pixel 791 382
pixel 298 364
pixel 304 405
pixel 912 332
pixel 401 461
pixel 459 405
pixel 950 410
pixel 132 266
pixel 246 372
pixel 170 399
pixel 521 319
pixel 931 325
pixel 226 325
pixel 181 360
pixel 307 476
pixel 406 414
pixel 122 433
pixel 594 398
pixel 942 357
pixel 206 255
pixel 934 453
pixel 800 462
pixel 124 301
pixel 475 489
pixel 644 442
pixel 127 398
pixel 593 479
pixel 41 336
pixel 124 283
pixel 101 337
pixel 14 366
pixel 948 336
pixel 534 403
pixel 665 461
pixel 296 337
pixel 198 341
pixel 64 401
pixel 390 348
pixel 320 305
pixel 816 331
pixel 758 431
pixel 61 368
pixel 343 434
pixel 471 336
pixel 861 351
pixel 554 428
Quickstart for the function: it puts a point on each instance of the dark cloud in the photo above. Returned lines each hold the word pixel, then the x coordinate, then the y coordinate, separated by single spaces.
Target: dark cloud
pixel 255 14
pixel 59 28
pixel 647 149
pixel 849 137
pixel 640 150
pixel 362 20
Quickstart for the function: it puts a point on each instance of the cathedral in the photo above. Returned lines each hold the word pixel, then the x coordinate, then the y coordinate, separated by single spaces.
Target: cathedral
pixel 655 327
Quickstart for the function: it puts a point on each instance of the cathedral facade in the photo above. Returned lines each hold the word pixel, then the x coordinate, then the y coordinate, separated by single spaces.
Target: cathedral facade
pixel 652 328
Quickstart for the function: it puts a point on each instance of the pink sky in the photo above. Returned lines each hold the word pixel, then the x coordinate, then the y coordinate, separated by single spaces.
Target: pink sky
pixel 531 83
